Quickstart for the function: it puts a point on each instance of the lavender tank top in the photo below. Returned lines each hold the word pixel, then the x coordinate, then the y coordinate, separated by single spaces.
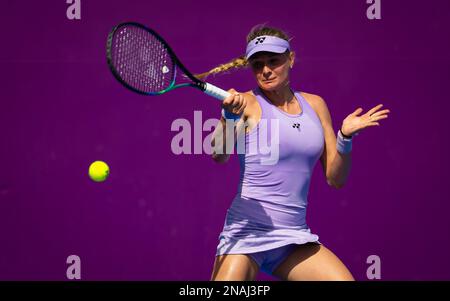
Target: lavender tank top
pixel 269 209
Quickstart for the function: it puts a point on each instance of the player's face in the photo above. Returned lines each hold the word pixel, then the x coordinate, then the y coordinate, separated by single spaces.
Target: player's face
pixel 271 70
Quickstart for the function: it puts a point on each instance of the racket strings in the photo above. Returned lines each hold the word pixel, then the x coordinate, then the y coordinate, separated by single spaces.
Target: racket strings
pixel 141 60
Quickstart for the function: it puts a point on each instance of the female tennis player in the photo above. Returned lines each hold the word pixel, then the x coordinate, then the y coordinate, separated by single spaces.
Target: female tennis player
pixel 265 227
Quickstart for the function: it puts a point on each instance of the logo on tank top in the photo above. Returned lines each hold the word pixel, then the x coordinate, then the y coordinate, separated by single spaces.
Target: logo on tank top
pixel 296 126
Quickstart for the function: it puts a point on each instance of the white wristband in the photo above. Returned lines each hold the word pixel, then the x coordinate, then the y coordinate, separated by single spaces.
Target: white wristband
pixel 343 145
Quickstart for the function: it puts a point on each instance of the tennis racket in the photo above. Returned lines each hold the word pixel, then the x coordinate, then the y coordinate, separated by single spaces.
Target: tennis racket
pixel 142 61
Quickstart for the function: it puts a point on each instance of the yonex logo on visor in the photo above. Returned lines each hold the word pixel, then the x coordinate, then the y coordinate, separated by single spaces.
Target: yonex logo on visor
pixel 268 44
pixel 260 40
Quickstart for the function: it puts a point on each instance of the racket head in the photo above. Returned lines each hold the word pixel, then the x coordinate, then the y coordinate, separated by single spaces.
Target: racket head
pixel 141 60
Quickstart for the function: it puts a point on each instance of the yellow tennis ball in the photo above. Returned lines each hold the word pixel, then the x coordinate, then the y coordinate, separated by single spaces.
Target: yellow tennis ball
pixel 98 171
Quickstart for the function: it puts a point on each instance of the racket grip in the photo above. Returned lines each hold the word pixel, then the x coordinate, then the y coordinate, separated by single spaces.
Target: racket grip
pixel 215 92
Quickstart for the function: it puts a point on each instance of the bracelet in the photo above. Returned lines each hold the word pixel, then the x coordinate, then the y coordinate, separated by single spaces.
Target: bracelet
pixel 343 145
pixel 345 136
pixel 228 115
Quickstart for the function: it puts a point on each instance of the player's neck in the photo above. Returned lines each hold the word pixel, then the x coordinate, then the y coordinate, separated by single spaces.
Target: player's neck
pixel 281 97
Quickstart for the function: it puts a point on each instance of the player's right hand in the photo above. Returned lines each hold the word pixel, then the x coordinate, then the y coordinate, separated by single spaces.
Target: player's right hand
pixel 235 103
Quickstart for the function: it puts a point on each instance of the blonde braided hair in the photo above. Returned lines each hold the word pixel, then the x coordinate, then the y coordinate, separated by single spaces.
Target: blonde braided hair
pixel 241 62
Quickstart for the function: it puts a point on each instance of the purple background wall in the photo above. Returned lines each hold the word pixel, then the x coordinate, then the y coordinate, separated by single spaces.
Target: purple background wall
pixel 158 216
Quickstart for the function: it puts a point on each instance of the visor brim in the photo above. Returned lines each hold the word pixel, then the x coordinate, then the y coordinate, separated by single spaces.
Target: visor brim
pixel 266 48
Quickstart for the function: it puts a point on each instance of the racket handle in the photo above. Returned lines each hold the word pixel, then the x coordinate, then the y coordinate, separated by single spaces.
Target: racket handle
pixel 216 92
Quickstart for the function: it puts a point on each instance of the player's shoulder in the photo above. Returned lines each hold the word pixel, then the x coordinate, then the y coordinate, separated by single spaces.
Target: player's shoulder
pixel 318 104
pixel 250 92
pixel 252 109
pixel 313 99
pixel 250 96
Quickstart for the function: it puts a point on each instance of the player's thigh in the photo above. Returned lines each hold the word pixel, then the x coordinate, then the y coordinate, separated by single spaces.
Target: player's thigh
pixel 313 262
pixel 234 267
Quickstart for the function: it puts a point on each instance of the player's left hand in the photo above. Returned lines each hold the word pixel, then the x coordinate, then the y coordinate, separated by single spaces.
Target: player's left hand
pixel 353 123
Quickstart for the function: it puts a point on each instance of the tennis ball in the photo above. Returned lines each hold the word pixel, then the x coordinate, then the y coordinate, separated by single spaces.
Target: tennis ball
pixel 98 171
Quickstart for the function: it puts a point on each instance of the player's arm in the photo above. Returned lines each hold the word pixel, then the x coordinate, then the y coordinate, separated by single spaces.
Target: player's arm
pixel 336 166
pixel 224 136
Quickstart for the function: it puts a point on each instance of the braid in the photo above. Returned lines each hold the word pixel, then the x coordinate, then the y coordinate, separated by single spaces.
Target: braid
pixel 239 62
